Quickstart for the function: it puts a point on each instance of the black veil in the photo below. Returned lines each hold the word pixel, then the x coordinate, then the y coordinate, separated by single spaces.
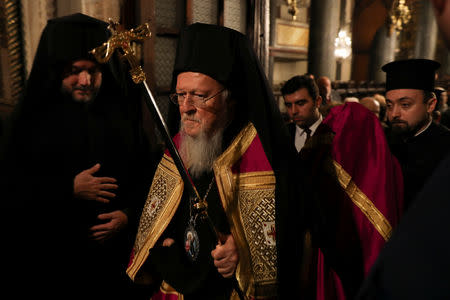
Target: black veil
pixel 52 138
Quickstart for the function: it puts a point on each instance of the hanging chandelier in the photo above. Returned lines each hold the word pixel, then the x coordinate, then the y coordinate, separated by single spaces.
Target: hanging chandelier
pixel 342 45
pixel 399 16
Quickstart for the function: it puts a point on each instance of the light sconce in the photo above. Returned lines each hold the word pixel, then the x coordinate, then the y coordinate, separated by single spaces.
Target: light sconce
pixel 293 9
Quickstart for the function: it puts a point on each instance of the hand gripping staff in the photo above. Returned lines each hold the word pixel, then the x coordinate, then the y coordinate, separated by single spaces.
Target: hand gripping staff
pixel 121 40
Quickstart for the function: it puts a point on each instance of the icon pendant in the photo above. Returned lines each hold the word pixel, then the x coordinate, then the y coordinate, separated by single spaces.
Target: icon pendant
pixel 191 242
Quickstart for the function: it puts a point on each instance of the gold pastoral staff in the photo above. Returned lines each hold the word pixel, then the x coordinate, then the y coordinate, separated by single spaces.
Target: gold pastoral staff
pixel 121 40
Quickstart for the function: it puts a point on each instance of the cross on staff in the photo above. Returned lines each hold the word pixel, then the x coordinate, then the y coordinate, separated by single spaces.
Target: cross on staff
pixel 121 40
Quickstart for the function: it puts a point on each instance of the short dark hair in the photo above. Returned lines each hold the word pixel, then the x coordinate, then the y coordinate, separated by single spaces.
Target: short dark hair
pixel 299 82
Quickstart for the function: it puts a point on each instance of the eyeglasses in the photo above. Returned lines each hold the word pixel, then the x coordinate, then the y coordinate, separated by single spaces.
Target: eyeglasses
pixel 194 99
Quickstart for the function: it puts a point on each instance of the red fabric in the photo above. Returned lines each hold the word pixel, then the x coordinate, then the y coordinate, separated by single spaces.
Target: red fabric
pixel 253 160
pixel 176 140
pixel 132 254
pixel 329 285
pixel 163 296
pixel 360 147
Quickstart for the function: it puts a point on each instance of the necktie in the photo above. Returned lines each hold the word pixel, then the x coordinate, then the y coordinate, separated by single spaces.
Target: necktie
pixel 308 134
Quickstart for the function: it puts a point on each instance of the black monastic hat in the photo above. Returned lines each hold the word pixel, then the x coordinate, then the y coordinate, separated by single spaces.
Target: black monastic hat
pixel 63 40
pixel 210 50
pixel 227 56
pixel 416 74
pixel 74 36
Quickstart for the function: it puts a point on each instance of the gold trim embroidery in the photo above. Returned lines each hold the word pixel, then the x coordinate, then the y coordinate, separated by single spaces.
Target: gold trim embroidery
pixel 222 165
pixel 360 199
pixel 167 289
pixel 160 206
pixel 241 194
pixel 225 180
pixel 252 194
pixel 255 180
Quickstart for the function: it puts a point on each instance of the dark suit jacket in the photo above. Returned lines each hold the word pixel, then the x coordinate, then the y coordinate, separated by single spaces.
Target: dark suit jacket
pixel 292 128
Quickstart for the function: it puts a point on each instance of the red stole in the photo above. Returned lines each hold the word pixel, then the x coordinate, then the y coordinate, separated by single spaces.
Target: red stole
pixel 371 177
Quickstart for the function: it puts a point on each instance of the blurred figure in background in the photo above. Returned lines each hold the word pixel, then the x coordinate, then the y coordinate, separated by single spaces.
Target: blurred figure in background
pixel 371 104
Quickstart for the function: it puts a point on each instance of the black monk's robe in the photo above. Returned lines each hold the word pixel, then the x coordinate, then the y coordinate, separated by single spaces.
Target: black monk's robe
pixel 419 156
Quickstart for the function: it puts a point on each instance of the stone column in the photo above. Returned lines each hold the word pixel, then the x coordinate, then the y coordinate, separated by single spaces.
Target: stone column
pixel 234 15
pixel 324 27
pixel 382 52
pixel 99 9
pixel 446 65
pixel 67 7
pixel 427 31
pixel 260 35
pixel 34 18
pixel 205 11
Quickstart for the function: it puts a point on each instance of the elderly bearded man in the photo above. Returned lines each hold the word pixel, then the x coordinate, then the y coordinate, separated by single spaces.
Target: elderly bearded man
pixel 231 140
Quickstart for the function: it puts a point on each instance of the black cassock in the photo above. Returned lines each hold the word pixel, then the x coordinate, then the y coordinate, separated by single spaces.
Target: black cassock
pixel 414 263
pixel 419 156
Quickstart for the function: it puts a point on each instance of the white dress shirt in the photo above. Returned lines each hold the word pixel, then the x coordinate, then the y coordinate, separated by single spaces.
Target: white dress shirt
pixel 300 134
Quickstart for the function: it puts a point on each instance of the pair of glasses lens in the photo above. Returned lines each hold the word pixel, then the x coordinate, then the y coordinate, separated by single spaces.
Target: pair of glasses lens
pixel 194 99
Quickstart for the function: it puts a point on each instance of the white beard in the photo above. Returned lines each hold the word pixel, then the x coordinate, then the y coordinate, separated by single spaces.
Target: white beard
pixel 199 153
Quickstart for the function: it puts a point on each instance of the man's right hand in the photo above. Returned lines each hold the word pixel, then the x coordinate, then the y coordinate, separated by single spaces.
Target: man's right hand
pixel 88 187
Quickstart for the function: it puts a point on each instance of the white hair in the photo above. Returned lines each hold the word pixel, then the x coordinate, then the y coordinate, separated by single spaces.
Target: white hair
pixel 200 152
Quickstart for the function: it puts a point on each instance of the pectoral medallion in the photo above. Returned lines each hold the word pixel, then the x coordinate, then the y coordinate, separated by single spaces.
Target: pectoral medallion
pixel 191 242
pixel 191 239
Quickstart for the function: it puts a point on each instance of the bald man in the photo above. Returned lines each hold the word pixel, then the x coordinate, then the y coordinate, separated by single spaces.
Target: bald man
pixel 371 104
pixel 324 85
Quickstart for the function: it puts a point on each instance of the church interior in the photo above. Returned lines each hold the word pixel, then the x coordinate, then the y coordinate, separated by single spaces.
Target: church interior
pixel 346 40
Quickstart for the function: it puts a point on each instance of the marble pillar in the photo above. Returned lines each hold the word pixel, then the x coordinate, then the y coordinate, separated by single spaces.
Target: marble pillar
pixel 324 26
pixel 427 31
pixel 35 15
pixel 382 52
